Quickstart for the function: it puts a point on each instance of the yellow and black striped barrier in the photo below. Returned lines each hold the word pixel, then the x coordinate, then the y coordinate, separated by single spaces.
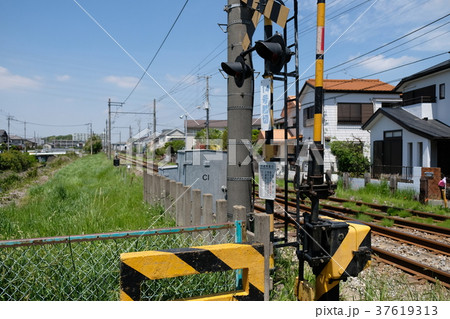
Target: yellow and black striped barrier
pixel 344 251
pixel 137 267
pixel 348 259
pixel 271 10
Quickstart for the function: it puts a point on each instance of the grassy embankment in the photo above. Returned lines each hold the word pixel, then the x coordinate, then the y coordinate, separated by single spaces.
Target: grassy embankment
pixel 87 196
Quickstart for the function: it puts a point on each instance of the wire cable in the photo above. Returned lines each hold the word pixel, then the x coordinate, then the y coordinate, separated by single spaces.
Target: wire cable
pixel 156 54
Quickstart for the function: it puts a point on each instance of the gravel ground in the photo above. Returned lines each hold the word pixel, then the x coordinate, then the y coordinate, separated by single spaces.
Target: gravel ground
pixel 387 283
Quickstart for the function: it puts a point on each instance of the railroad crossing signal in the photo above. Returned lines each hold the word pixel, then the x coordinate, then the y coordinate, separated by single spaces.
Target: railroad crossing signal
pixel 237 69
pixel 274 51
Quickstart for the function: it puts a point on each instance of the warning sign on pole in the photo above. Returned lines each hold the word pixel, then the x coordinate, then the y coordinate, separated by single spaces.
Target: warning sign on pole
pixel 267 180
pixel 266 123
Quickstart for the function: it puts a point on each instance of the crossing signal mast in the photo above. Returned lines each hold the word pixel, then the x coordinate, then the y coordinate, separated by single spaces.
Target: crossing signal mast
pixel 334 249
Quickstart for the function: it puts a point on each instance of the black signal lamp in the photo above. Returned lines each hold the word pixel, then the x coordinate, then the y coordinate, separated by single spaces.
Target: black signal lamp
pixel 274 51
pixel 238 69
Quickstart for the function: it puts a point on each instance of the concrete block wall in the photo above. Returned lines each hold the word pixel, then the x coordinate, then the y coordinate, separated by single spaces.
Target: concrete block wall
pixel 189 207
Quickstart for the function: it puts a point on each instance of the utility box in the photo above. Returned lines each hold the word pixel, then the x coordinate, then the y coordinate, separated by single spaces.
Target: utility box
pixel 429 180
pixel 205 170
pixel 171 172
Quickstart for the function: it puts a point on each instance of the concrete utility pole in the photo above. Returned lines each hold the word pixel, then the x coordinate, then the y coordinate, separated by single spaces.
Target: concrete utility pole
pixel 9 130
pixel 154 116
pixel 109 128
pixel 25 135
pixel 92 142
pixel 240 108
pixel 207 109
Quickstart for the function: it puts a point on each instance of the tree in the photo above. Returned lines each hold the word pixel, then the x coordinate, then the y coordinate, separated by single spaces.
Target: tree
pixel 96 142
pixel 350 157
pixel 214 135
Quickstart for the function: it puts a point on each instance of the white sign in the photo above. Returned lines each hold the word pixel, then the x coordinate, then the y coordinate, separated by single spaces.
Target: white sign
pixel 266 123
pixel 267 180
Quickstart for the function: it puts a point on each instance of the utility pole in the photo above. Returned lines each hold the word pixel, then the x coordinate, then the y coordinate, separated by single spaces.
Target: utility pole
pixel 109 128
pixel 110 103
pixel 154 116
pixel 239 113
pixel 25 135
pixel 207 77
pixel 9 130
pixel 90 124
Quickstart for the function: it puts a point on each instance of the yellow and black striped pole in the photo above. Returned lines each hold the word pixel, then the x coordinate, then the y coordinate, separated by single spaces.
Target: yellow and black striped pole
pixel 318 101
pixel 315 169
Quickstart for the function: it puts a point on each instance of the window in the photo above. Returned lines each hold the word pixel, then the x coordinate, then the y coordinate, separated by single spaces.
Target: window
pixel 419 154
pixel 308 116
pixel 393 134
pixel 354 113
pixel 442 91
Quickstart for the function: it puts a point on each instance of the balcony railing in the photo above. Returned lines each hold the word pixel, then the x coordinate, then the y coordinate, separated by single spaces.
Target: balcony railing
pixel 419 99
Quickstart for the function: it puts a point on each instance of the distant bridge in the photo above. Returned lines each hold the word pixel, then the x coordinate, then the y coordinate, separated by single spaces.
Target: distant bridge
pixel 43 155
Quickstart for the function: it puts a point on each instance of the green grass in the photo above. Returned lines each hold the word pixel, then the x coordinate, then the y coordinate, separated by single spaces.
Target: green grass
pixel 86 196
pixel 364 218
pixel 387 222
pixel 381 194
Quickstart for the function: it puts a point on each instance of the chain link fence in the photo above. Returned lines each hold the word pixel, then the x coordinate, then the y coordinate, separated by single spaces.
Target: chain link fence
pixel 86 267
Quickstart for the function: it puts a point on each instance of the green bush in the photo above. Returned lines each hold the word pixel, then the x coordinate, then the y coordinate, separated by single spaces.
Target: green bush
pixel 350 157
pixel 16 161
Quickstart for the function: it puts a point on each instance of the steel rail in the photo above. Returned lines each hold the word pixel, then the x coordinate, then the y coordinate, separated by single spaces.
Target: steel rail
pixel 397 220
pixel 413 267
pixel 410 266
pixel 384 208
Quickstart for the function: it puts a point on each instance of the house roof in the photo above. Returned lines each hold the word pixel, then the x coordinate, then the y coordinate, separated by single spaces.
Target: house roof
pixel 434 69
pixel 290 105
pixel 431 129
pixel 353 85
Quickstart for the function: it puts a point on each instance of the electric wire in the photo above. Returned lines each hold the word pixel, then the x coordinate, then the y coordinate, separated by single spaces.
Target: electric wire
pixel 157 51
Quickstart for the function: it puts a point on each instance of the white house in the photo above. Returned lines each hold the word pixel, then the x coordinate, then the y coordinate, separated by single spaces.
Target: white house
pixel 415 132
pixel 166 136
pixel 347 105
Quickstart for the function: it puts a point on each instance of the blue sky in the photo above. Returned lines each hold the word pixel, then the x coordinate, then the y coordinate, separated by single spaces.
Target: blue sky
pixel 59 67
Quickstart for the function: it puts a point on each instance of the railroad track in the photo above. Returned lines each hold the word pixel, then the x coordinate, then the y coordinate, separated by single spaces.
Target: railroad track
pixel 408 265
pixel 140 162
pixel 382 208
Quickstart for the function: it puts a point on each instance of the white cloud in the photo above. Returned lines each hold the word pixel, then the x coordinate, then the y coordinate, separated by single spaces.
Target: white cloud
pixel 13 81
pixel 126 82
pixel 63 78
pixel 380 62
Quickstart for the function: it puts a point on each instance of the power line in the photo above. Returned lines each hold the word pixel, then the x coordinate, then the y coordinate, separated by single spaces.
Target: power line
pixel 159 49
pixel 389 43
